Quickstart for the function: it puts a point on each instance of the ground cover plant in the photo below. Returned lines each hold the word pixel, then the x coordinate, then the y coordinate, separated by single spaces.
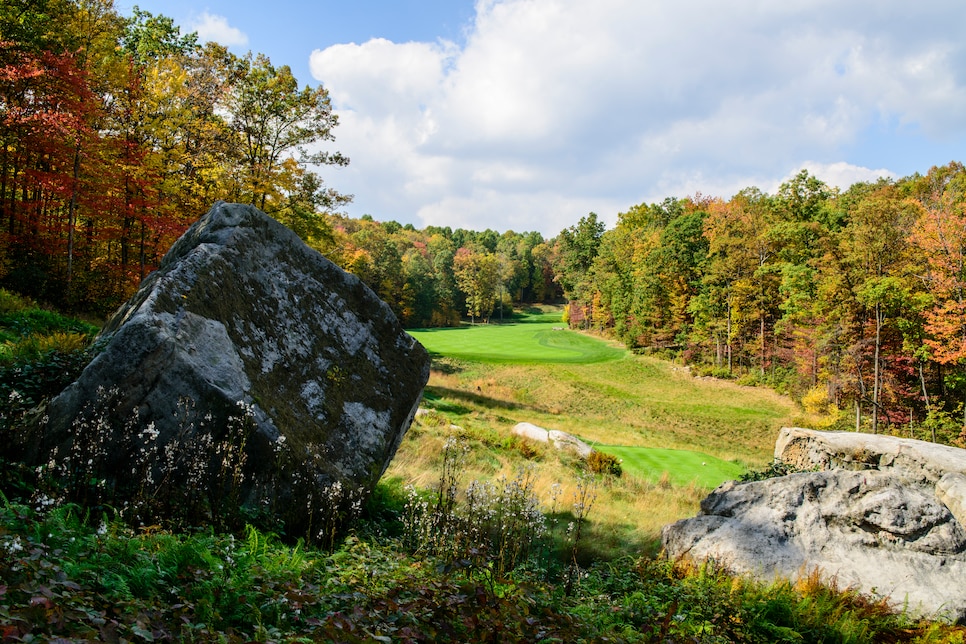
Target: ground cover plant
pixel 475 535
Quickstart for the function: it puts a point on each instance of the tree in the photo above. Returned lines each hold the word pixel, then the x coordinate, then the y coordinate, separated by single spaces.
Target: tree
pixel 940 238
pixel 875 244
pixel 478 276
pixel 743 276
pixel 577 247
pixel 273 120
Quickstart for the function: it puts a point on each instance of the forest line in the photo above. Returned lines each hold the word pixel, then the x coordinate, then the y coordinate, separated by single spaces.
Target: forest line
pixel 119 131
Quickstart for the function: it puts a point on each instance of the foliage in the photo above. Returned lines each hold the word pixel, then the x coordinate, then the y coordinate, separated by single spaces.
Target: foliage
pixel 603 463
pixel 775 469
pixel 67 578
pixel 119 131
pixel 42 352
pixel 851 301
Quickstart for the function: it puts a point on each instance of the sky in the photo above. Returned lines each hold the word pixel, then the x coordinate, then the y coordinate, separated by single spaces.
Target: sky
pixel 527 115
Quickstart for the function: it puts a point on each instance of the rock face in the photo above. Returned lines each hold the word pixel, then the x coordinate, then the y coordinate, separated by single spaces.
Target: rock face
pixel 247 366
pixel 911 460
pixel 880 517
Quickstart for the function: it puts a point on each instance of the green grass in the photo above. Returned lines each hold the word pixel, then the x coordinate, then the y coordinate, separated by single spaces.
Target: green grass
pixel 682 467
pixel 651 413
pixel 535 339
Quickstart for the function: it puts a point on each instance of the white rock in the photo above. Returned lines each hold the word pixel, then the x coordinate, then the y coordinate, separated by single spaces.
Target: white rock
pixel 871 520
pixel 559 439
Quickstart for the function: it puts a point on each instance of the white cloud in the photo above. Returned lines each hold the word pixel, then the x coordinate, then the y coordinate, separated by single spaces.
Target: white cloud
pixel 214 28
pixel 553 108
pixel 842 175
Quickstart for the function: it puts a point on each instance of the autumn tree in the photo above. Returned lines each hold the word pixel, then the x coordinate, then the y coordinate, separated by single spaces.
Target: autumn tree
pixel 478 275
pixel 275 121
pixel 940 236
pixel 876 248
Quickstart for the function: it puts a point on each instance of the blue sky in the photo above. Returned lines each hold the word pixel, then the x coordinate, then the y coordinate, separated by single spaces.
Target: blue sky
pixel 528 114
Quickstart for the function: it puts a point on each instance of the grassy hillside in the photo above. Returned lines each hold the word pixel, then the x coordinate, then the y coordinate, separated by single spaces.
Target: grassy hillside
pixel 592 388
pixel 678 436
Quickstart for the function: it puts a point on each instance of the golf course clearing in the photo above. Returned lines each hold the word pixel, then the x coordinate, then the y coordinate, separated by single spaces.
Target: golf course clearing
pixel 677 436
pixel 529 341
pixel 536 370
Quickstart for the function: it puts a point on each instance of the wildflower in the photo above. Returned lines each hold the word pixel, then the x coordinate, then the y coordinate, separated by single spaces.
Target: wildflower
pixel 15 545
pixel 150 432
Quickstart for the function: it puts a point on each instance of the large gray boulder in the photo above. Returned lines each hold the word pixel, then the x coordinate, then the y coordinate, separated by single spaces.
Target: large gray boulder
pixel 248 370
pixel 873 518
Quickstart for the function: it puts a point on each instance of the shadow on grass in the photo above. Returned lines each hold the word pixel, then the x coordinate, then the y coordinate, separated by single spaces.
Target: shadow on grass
pixel 443 364
pixel 435 395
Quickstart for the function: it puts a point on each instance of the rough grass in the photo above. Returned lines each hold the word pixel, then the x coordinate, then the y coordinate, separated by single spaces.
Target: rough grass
pixel 634 401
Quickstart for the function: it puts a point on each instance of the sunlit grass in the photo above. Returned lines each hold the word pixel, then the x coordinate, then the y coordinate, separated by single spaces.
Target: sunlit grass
pixel 679 436
pixel 539 339
pixel 680 467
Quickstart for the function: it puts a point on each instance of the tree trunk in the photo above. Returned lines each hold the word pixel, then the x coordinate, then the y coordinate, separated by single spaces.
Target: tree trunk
pixel 762 332
pixel 876 370
pixel 71 222
pixel 925 398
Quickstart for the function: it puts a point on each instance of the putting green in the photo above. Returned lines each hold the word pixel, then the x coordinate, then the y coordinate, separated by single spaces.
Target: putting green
pixel 683 467
pixel 517 343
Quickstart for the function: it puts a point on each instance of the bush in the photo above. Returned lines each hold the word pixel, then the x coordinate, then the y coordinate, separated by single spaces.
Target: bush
pixel 604 463
pixel 43 352
pixel 13 303
pixel 32 376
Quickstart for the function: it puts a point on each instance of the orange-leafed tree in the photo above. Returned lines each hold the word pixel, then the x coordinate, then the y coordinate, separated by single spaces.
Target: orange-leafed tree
pixel 940 236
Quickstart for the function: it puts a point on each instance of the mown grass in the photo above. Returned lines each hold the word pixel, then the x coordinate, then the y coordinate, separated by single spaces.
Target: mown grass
pixel 540 372
pixel 535 339
pixel 680 467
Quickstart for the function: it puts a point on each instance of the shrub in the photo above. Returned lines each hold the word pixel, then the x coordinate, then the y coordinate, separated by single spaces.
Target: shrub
pixel 43 353
pixel 13 303
pixel 492 526
pixel 32 376
pixel 603 463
